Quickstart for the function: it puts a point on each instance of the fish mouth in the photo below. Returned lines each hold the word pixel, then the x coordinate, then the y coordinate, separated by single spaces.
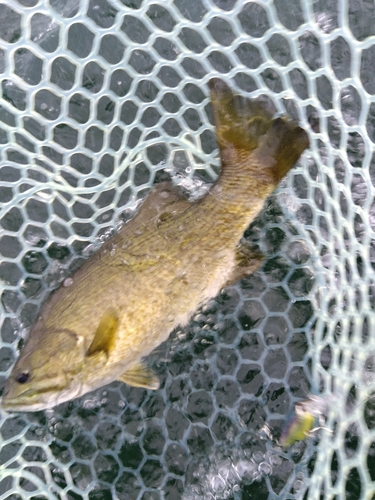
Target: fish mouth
pixel 31 400
pixel 17 404
pixel 28 400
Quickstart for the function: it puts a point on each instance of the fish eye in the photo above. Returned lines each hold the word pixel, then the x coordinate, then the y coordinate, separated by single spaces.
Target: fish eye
pixel 23 377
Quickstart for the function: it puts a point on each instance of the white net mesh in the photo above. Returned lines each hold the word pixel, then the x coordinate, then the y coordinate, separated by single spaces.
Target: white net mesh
pixel 97 98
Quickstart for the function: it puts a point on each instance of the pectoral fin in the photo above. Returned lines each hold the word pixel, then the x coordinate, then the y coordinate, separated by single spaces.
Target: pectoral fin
pixel 248 260
pixel 140 376
pixel 105 334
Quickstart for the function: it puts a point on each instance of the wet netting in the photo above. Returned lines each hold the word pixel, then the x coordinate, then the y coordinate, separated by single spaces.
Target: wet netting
pixel 98 97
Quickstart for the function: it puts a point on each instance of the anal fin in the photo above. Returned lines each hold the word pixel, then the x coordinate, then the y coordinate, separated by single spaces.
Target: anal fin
pixel 140 375
pixel 248 260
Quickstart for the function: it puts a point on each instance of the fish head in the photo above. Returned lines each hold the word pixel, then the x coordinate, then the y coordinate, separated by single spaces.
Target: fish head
pixel 47 373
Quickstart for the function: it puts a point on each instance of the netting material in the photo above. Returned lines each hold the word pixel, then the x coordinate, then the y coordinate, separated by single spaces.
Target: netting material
pixel 97 97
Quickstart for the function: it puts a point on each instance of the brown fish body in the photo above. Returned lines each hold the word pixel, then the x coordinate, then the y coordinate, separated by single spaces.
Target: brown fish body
pixel 161 266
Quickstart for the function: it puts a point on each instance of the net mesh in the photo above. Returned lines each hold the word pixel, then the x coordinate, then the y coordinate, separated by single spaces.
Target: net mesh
pixel 100 96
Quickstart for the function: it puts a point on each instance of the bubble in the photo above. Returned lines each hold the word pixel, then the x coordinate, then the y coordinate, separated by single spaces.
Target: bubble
pixel 218 484
pixel 89 250
pixel 275 460
pixel 297 485
pixel 258 457
pixel 246 469
pixel 265 469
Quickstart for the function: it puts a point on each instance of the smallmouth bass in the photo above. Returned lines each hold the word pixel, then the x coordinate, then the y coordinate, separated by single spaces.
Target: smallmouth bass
pixel 168 260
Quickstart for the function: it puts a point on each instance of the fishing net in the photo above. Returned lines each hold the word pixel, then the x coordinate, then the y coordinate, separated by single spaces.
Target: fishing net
pixel 98 99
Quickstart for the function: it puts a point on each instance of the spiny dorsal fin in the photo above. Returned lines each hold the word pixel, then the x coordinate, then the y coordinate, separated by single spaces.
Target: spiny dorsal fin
pixel 105 334
pixel 164 202
pixel 165 197
pixel 140 375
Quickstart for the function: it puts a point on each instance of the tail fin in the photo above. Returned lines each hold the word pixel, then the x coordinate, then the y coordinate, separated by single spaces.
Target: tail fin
pixel 246 125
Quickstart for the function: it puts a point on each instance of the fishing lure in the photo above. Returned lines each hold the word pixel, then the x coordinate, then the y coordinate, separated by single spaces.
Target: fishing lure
pixel 301 424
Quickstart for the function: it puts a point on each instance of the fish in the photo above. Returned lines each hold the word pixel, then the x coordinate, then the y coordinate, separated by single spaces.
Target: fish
pixel 167 261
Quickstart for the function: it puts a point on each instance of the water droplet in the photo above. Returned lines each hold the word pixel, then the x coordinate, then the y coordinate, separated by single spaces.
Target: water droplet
pixel 68 282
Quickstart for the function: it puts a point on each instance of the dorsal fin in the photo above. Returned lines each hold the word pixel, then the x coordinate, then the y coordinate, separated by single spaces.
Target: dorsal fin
pixel 164 198
pixel 164 203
